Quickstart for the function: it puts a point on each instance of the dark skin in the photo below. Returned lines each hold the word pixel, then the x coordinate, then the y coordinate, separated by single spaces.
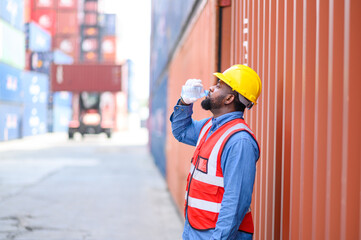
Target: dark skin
pixel 222 97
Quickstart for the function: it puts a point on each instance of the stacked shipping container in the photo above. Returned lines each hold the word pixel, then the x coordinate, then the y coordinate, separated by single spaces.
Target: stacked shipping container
pixel 108 38
pixel 51 36
pixel 59 19
pixel 90 33
pixel 307 120
pixel 36 80
pixel 12 62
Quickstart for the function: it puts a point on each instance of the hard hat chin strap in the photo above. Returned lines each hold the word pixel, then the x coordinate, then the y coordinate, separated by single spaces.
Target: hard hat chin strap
pixel 245 101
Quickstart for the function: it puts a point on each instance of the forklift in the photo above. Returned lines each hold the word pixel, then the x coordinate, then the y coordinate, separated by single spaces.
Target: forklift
pixel 93 113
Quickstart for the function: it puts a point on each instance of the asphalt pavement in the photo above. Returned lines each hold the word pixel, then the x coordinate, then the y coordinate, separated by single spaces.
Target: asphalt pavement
pixel 91 188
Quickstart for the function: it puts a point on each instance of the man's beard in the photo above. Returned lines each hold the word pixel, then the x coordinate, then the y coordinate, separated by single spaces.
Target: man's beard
pixel 211 104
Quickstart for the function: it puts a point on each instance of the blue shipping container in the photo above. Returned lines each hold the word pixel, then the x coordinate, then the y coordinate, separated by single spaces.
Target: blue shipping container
pixel 158 125
pixel 12 45
pixel 41 62
pixel 10 83
pixel 12 11
pixel 35 88
pixel 108 23
pixel 168 18
pixel 34 119
pixel 37 39
pixel 61 58
pixel 62 99
pixel 61 118
pixel 10 121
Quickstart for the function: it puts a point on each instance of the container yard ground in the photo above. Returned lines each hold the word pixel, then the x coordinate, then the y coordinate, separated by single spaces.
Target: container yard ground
pixel 91 188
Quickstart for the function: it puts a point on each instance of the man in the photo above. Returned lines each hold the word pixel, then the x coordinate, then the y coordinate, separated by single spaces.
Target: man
pixel 223 167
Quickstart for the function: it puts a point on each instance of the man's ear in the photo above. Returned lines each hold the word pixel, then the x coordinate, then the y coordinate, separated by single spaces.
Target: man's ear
pixel 229 99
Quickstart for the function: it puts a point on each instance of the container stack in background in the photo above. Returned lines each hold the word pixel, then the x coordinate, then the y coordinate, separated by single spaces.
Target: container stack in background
pixel 97 35
pixel 34 34
pixel 66 36
pixel 108 50
pixel 12 63
pixel 108 38
pixel 90 33
pixel 66 40
pixel 36 80
pixel 59 18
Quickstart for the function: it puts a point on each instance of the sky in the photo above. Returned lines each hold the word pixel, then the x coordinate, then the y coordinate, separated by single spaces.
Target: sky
pixel 133 32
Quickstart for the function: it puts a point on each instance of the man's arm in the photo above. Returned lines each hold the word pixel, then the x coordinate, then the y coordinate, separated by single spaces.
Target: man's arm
pixel 239 168
pixel 184 128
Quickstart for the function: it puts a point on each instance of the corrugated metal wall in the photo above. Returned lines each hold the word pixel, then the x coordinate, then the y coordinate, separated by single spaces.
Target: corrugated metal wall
pixel 195 58
pixel 308 117
pixel 168 19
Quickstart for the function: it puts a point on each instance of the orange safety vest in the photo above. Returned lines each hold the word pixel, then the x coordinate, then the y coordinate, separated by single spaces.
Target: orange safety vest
pixel 205 188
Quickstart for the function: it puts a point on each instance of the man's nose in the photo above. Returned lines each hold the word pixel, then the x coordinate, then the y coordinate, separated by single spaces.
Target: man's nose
pixel 211 89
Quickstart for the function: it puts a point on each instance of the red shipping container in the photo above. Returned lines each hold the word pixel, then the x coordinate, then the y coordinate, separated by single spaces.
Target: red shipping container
pixel 43 4
pixel 86 77
pixel 67 4
pixel 68 44
pixel 67 22
pixel 91 6
pixel 90 18
pixel 108 49
pixel 46 19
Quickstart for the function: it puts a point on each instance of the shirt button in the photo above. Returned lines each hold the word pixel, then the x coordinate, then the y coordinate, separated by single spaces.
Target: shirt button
pixel 182 109
pixel 176 107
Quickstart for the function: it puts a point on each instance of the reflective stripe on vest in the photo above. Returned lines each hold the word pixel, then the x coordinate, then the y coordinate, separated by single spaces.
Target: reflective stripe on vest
pixel 212 167
pixel 204 129
pixel 205 179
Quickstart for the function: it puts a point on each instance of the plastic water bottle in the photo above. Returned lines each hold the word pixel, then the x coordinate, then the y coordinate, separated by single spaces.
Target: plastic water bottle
pixel 194 92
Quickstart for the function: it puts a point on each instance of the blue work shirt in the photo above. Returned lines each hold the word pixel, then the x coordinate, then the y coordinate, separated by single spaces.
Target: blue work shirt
pixel 238 162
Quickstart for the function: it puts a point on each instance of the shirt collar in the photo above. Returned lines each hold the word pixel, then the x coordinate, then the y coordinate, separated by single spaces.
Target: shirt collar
pixel 219 121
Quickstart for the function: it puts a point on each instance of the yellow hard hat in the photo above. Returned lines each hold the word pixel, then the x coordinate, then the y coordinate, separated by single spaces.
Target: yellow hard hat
pixel 243 80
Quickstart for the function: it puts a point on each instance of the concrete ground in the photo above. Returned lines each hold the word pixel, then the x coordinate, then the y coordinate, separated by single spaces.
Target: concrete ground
pixel 93 188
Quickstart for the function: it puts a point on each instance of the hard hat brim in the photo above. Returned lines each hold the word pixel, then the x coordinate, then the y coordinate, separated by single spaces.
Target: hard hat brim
pixel 223 78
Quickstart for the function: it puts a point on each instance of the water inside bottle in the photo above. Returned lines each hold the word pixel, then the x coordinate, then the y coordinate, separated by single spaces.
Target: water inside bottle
pixel 194 92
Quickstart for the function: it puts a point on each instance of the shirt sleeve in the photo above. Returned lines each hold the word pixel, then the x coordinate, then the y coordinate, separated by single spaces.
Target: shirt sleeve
pixel 238 162
pixel 184 128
